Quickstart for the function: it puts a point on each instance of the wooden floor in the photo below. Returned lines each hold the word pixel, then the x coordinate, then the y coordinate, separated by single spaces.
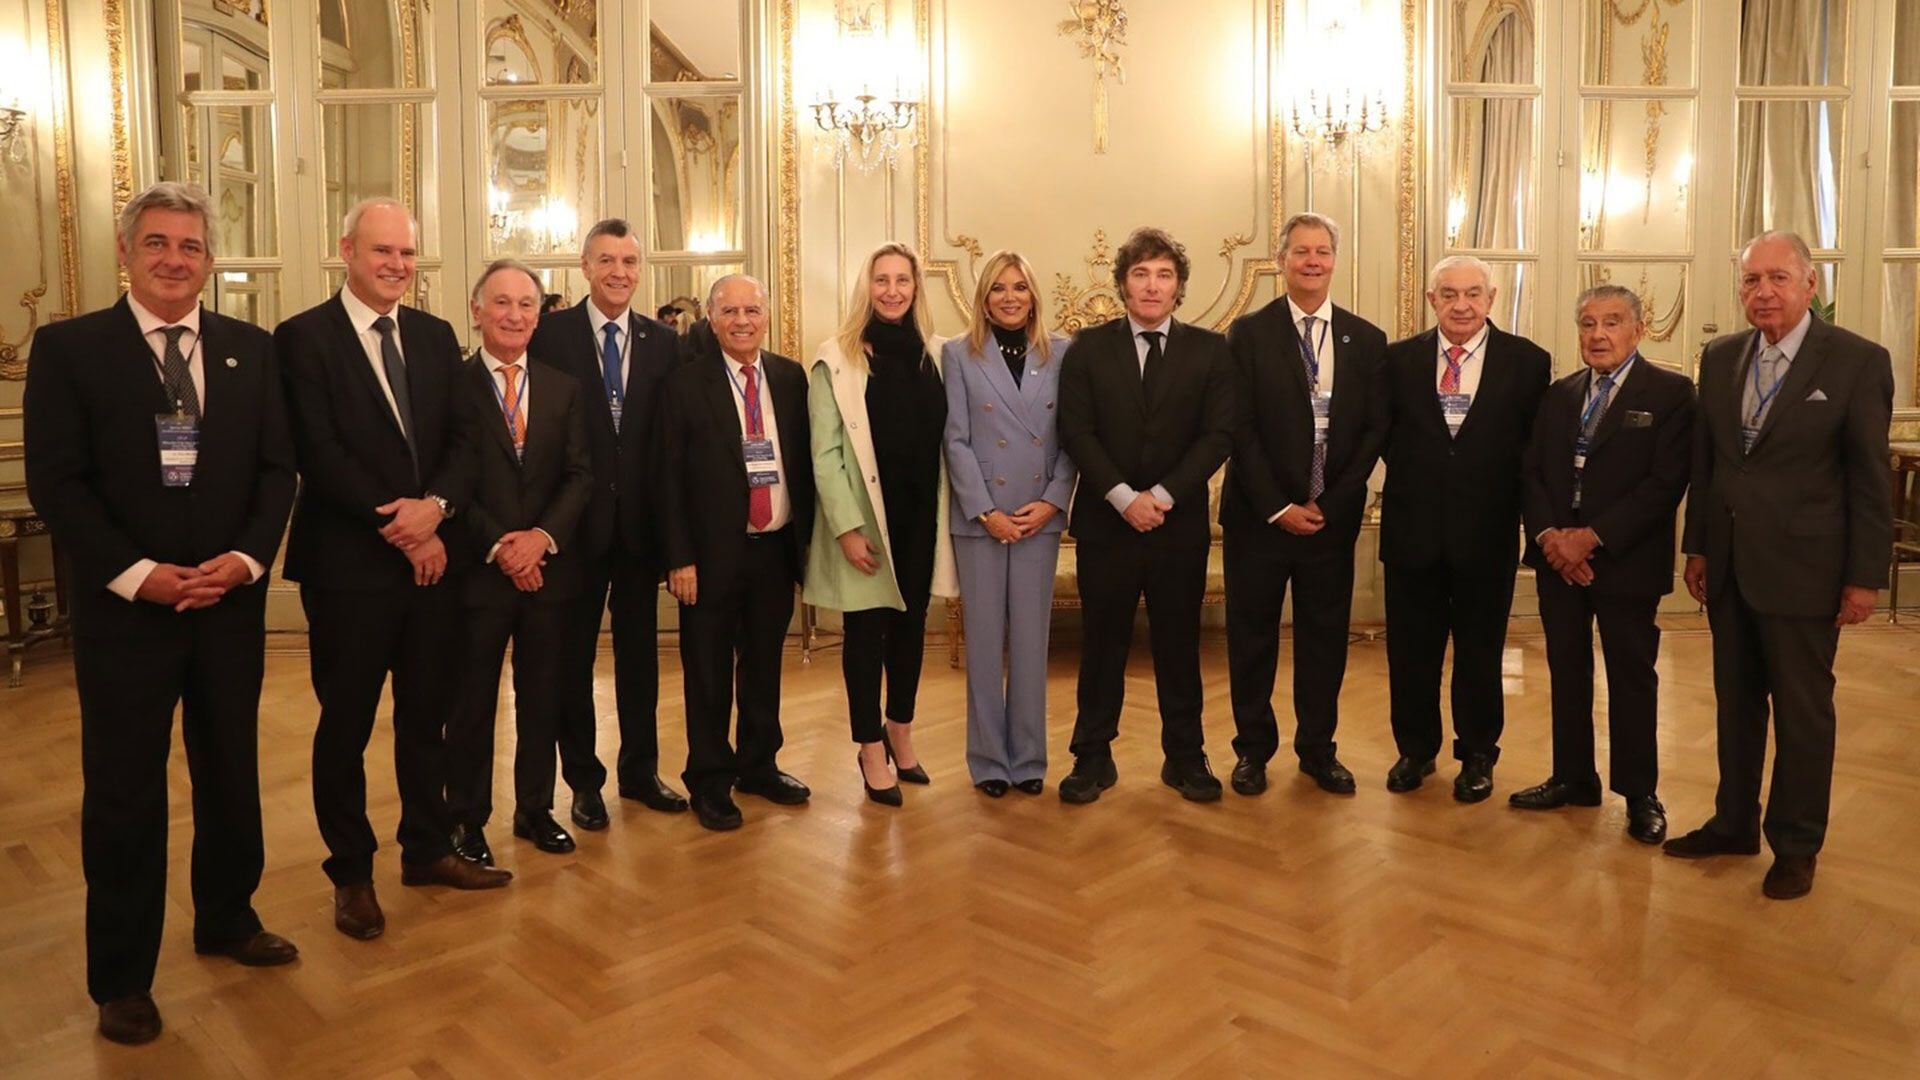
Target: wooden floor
pixel 1297 934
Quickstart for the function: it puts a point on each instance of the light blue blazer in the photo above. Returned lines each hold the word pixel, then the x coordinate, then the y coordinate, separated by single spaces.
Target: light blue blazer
pixel 1003 446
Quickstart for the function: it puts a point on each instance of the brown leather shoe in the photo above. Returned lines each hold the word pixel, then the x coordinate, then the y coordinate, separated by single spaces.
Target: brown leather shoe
pixel 454 872
pixel 1790 878
pixel 356 912
pixel 130 1021
pixel 263 949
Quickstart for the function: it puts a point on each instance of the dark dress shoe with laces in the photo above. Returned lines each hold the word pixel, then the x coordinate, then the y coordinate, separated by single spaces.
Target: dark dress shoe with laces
pixel 1090 777
pixel 455 872
pixel 1706 842
pixel 356 912
pixel 470 843
pixel 914 775
pixel 654 794
pixel 1790 878
pixel 1646 819
pixel 1554 793
pixel 993 789
pixel 1194 780
pixel 716 810
pixel 130 1021
pixel 1249 777
pixel 1475 781
pixel 263 948
pixel 1332 776
pixel 1408 773
pixel 778 788
pixel 1032 787
pixel 589 810
pixel 546 833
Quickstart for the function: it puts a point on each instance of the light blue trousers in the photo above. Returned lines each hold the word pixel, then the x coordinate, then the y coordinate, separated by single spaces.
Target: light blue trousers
pixel 1007 596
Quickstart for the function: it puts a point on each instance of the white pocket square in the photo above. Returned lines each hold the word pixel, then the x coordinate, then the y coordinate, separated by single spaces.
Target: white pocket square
pixel 1817 396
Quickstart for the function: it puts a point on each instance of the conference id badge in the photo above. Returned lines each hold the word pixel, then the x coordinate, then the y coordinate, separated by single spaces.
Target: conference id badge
pixel 762 469
pixel 1322 417
pixel 1579 456
pixel 1454 408
pixel 179 436
pixel 614 407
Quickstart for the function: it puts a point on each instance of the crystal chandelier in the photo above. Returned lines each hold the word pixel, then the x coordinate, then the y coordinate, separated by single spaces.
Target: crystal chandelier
pixel 1332 100
pixel 865 125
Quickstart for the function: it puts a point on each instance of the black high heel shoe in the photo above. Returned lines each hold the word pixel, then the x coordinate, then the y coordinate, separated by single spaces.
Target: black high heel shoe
pixel 884 796
pixel 915 775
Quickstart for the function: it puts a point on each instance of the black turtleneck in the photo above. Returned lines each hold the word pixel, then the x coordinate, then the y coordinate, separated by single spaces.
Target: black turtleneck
pixel 906 409
pixel 1013 349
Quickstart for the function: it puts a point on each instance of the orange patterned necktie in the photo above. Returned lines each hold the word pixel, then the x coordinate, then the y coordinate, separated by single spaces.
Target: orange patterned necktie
pixel 516 416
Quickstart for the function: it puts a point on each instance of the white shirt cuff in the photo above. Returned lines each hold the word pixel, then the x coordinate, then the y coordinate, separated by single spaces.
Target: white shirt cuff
pixel 1282 512
pixel 552 547
pixel 127 585
pixel 491 552
pixel 254 569
pixel 1120 496
pixel 1161 493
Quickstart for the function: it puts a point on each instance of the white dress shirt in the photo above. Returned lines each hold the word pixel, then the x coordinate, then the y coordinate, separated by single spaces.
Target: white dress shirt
pixel 1789 346
pixel 1322 354
pixel 782 505
pixel 1121 495
pixel 621 323
pixel 126 586
pixel 362 317
pixel 1470 363
pixel 524 383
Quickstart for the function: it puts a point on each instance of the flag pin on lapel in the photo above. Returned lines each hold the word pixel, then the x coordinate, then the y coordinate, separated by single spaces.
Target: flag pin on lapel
pixel 1346 339
pixel 231 362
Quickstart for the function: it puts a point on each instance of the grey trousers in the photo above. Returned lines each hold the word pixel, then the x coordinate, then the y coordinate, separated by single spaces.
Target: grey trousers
pixel 1007 595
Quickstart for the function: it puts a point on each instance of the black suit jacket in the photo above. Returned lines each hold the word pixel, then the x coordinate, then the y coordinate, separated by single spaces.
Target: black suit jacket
pixel 565 339
pixel 1457 500
pixel 700 481
pixel 1273 442
pixel 93 464
pixel 352 452
pixel 1807 510
pixel 1636 473
pixel 549 490
pixel 1116 434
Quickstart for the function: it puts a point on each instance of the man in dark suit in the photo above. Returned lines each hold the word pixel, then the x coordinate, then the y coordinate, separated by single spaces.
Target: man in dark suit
pixel 1312 422
pixel 1147 412
pixel 1602 480
pixel 523 425
pixel 1788 537
pixel 370 391
pixel 1463 396
pixel 734 502
pixel 620 358
pixel 157 451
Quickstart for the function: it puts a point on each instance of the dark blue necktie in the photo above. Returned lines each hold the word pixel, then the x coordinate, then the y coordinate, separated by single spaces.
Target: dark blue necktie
pixel 610 360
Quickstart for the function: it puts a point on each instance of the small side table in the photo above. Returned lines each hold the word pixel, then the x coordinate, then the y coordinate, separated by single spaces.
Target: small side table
pixel 30 624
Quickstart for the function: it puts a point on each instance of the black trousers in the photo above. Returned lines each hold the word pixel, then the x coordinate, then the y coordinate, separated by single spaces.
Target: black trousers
pixel 730 650
pixel 354 639
pixel 632 590
pixel 1112 578
pixel 1427 605
pixel 1630 640
pixel 128 690
pixel 881 640
pixel 1786 661
pixel 537 631
pixel 1259 565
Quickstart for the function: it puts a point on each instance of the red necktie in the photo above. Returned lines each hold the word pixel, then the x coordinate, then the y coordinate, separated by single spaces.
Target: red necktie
pixel 759 499
pixel 1450 380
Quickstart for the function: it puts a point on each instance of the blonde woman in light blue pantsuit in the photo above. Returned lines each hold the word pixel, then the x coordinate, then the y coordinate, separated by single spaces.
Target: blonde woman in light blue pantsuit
pixel 1011 484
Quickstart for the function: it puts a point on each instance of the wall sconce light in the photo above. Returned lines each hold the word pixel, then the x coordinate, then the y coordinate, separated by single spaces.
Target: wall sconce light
pixel 1456 217
pixel 553 224
pixel 1334 97
pixel 13 132
pixel 864 126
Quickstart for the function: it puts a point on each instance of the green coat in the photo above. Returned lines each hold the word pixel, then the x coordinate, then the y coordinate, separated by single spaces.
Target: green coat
pixel 847 494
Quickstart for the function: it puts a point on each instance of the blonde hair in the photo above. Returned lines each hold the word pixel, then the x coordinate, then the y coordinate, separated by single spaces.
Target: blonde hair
pixel 850 336
pixel 1038 340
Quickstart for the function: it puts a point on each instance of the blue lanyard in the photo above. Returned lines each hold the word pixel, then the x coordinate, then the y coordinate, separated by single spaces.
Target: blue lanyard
pixel 753 414
pixel 520 400
pixel 1753 367
pixel 1311 352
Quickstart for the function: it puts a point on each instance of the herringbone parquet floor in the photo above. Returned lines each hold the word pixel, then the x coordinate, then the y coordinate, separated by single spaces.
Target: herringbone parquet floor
pixel 1297 934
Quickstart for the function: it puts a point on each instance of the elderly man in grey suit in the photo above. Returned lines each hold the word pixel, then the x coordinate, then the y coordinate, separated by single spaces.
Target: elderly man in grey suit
pixel 1788 533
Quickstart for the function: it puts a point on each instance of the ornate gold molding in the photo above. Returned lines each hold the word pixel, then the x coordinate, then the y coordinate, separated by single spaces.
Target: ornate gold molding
pixel 13 359
pixel 786 196
pixel 63 176
pixel 1099 28
pixel 1409 277
pixel 1080 305
pixel 114 15
pixel 947 270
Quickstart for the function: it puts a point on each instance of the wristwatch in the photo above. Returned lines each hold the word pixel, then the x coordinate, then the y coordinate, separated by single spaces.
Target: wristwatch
pixel 446 508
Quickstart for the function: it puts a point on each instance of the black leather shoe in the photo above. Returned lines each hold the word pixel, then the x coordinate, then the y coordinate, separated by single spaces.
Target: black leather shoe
pixel 654 794
pixel 1090 777
pixel 470 843
pixel 1790 878
pixel 130 1021
pixel 589 810
pixel 1194 780
pixel 1249 777
pixel 915 775
pixel 1646 819
pixel 1329 774
pixel 1705 842
pixel 779 788
pixel 716 810
pixel 993 789
pixel 1032 787
pixel 886 796
pixel 546 833
pixel 1408 773
pixel 1475 781
pixel 1554 793
pixel 262 948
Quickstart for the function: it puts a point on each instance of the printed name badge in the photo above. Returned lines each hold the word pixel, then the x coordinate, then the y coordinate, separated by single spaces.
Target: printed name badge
pixel 762 469
pixel 1322 417
pixel 1747 435
pixel 1579 455
pixel 179 436
pixel 614 406
pixel 1454 408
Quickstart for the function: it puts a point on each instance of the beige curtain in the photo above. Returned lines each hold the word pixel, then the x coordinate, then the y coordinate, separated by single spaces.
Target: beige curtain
pixel 1783 43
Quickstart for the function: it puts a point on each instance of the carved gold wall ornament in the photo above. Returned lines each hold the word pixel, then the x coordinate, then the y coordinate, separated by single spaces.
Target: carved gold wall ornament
pixel 13 359
pixel 1078 305
pixel 1408 281
pixel 786 187
pixel 1099 28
